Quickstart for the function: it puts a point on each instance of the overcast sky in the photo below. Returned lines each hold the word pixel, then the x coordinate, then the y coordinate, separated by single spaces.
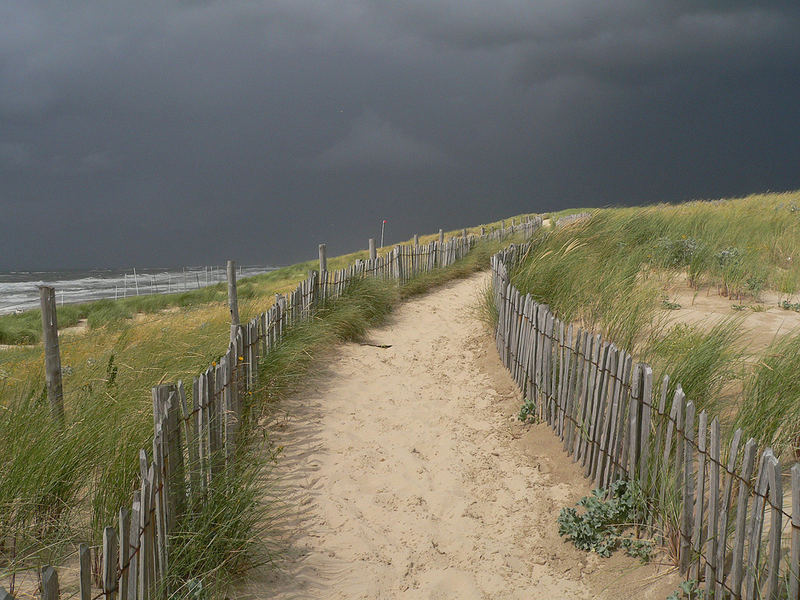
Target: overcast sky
pixel 158 133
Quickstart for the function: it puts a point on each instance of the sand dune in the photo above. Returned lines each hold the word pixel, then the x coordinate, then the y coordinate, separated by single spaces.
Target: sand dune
pixel 407 475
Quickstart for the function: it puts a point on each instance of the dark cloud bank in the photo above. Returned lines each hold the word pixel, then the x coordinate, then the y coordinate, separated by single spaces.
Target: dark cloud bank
pixel 166 133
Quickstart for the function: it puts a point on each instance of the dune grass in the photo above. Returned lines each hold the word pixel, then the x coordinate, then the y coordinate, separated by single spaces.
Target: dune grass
pixel 608 273
pixel 50 476
pixel 703 361
pixel 770 406
pixel 88 469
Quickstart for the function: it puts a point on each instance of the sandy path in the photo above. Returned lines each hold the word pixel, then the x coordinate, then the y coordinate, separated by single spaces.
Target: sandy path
pixel 407 476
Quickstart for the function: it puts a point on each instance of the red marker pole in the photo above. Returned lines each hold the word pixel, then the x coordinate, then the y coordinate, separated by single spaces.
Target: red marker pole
pixel 383 224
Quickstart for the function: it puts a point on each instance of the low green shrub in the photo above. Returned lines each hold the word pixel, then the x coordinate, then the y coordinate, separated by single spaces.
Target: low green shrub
pixel 688 590
pixel 607 514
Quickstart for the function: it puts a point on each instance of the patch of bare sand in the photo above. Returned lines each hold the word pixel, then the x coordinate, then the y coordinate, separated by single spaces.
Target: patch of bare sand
pixel 80 328
pixel 706 308
pixel 407 475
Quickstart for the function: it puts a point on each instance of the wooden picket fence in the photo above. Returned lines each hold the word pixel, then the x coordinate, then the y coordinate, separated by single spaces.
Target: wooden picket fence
pixel 706 503
pixel 195 438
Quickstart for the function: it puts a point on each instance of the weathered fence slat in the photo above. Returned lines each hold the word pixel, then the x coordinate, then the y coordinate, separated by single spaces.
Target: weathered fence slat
pixel 124 551
pixel 645 424
pixel 50 589
pixel 713 507
pixel 687 442
pixel 700 492
pixel 794 562
pixel 722 529
pixel 133 569
pixel 110 563
pixel 737 561
pixel 85 577
pixel 755 529
pixel 776 509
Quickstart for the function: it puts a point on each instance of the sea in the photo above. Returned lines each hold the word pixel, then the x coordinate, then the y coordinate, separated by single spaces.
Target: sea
pixel 19 289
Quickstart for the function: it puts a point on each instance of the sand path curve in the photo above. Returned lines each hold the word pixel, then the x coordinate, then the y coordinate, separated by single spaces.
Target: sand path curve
pixel 406 475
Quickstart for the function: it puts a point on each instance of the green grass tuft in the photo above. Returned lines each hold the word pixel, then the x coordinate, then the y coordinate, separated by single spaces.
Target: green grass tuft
pixel 770 407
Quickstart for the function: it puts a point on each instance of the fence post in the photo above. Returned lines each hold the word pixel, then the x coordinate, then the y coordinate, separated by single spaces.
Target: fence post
pixel 50 589
pixel 85 583
pixel 323 258
pixel 52 356
pixel 399 259
pixel 124 553
pixel 233 302
pixel 110 563
pixel 373 253
pixel 441 247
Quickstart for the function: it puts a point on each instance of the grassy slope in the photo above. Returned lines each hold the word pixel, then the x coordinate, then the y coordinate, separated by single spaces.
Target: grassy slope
pixel 87 471
pixel 609 274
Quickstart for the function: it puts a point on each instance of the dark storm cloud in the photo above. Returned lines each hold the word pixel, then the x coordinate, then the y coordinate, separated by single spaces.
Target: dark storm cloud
pixel 189 132
pixel 374 142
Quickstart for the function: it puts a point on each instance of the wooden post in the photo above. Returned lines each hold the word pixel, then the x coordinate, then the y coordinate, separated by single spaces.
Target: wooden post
pixel 737 571
pixel 776 502
pixel 483 231
pixel 124 553
pixel 687 441
pixel 85 582
pixel 323 258
pixel 52 357
pixel 416 240
pixel 794 568
pixel 133 568
pixel 441 238
pixel 373 253
pixel 399 263
pixel 232 299
pixel 50 589
pixel 110 563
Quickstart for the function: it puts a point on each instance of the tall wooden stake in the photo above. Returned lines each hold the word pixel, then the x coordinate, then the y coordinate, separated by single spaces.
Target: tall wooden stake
pixel 52 356
pixel 373 253
pixel 323 258
pixel 232 300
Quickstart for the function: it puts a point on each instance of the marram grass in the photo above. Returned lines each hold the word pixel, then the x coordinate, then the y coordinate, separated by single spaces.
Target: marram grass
pixel 62 486
pixel 608 273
